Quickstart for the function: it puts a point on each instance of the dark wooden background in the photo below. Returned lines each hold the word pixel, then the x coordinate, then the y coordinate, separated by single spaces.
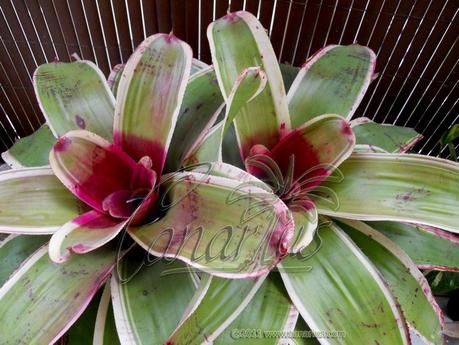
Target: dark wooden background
pixel 415 41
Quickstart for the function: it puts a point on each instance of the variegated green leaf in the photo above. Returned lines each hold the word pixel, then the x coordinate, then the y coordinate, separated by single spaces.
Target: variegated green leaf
pixel 31 151
pixel 75 96
pixel 198 65
pixel 104 328
pixel 83 234
pixel 399 187
pixel 305 228
pixel 201 105
pixel 405 281
pixel 43 299
pixel 268 313
pixel 238 41
pixel 212 313
pixel 34 201
pixel 210 149
pixel 114 78
pixel 388 137
pixel 219 225
pixel 428 247
pixel 149 97
pixel 248 86
pixel 149 298
pixel 337 289
pixel 333 81
pixel 14 250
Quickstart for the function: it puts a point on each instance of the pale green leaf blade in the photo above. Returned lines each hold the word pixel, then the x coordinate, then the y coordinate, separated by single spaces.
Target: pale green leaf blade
pixel 338 290
pixel 200 108
pixel 104 328
pixel 31 151
pixel 429 248
pixel 238 41
pixel 198 65
pixel 75 96
pixel 398 187
pixel 14 250
pixel 306 222
pixel 224 300
pixel 43 299
pixel 205 219
pixel 249 84
pixel 83 234
pixel 269 311
pixel 405 281
pixel 210 149
pixel 333 81
pixel 388 137
pixel 114 78
pixel 149 298
pixel 34 201
pixel 149 97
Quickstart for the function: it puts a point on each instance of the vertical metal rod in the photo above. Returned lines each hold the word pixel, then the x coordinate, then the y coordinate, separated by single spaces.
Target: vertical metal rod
pixel 314 30
pixel 377 20
pixel 56 55
pixel 199 28
pixel 104 39
pixel 22 84
pixel 24 34
pixel 89 32
pixel 60 29
pixel 361 21
pixel 6 115
pixel 35 31
pixel 345 23
pixel 14 111
pixel 258 9
pixel 408 50
pixel 285 30
pixel 391 53
pixel 116 30
pixel 436 94
pixel 142 13
pixel 15 44
pixel 299 31
pixel 331 23
pixel 11 140
pixel 128 16
pixel 74 29
pixel 272 18
pixel 17 96
pixel 426 67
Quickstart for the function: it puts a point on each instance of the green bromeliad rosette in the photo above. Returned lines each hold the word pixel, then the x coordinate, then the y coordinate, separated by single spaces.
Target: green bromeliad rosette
pixel 138 231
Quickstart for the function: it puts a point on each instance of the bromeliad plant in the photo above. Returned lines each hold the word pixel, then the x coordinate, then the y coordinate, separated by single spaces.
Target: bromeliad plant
pixel 348 243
